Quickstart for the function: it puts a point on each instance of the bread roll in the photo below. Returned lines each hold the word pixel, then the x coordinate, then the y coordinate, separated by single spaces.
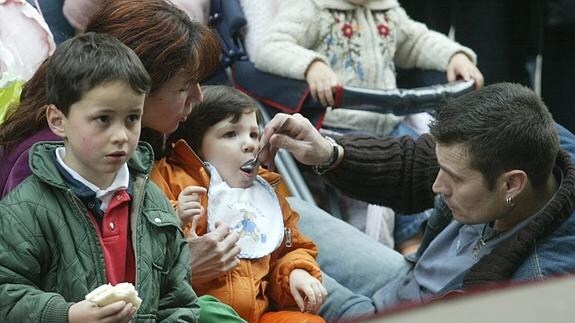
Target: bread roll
pixel 108 294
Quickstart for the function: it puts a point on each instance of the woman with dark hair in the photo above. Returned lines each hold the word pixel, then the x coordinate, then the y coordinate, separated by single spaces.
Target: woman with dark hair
pixel 176 52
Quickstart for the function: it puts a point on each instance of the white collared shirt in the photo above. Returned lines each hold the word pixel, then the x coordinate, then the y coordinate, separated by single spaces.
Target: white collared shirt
pixel 120 182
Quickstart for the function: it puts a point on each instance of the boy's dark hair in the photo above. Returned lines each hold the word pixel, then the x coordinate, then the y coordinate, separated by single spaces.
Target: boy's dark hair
pixel 220 102
pixel 504 126
pixel 86 61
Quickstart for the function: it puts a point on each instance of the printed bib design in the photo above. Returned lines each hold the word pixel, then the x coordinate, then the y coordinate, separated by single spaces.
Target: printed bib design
pixel 253 212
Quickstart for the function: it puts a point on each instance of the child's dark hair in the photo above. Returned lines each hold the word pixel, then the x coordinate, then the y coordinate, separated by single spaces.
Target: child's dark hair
pixel 86 61
pixel 220 102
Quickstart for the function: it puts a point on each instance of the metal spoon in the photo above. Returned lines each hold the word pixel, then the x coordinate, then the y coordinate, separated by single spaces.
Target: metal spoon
pixel 252 164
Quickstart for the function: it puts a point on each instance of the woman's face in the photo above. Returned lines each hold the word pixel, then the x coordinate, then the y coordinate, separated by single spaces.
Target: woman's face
pixel 170 104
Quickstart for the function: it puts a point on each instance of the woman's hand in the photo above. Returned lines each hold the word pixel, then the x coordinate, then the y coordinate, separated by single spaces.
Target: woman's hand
pixel 460 66
pixel 307 291
pixel 321 80
pixel 213 254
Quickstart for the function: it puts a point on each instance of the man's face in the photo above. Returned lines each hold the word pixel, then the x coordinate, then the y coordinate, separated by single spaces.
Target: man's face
pixel 228 146
pixel 101 131
pixel 465 190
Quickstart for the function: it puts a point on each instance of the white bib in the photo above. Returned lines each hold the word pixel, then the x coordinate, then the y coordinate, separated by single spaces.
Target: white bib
pixel 253 212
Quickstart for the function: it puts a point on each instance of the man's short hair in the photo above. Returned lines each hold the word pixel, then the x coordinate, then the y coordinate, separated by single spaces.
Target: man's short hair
pixel 504 126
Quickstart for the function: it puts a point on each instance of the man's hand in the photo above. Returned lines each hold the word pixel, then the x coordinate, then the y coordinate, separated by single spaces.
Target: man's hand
pixel 299 137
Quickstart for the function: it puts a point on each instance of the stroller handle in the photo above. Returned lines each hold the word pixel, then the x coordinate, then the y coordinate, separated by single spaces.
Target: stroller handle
pixel 399 101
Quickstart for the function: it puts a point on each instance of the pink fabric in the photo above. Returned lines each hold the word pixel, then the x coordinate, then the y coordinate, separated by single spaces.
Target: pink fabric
pixel 197 9
pixel 25 40
pixel 79 12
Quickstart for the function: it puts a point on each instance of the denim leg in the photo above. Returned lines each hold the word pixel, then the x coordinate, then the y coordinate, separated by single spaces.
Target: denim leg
pixel 403 129
pixel 349 256
pixel 407 226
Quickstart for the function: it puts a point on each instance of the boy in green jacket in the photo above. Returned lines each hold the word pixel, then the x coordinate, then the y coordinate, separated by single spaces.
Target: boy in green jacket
pixel 89 215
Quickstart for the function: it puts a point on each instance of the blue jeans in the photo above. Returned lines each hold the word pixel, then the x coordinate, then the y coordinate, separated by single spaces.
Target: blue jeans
pixel 355 266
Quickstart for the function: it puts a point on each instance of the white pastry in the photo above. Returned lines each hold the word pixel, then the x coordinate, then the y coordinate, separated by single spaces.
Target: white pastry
pixel 108 294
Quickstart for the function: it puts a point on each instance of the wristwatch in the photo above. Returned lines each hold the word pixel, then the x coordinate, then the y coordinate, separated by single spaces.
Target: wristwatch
pixel 323 168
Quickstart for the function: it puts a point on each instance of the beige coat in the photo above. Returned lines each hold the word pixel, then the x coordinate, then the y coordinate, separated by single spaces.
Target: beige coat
pixel 362 44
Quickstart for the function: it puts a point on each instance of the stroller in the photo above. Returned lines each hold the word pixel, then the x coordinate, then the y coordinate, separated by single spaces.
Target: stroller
pixel 279 94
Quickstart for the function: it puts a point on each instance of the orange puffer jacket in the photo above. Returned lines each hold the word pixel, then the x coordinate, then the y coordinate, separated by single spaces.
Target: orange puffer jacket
pixel 255 283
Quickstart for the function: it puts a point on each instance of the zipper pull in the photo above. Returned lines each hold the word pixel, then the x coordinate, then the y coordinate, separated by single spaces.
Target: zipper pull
pixel 480 244
pixel 287 233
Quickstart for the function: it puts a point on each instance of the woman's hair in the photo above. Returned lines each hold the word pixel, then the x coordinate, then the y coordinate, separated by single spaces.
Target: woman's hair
pixel 89 60
pixel 164 37
pixel 220 103
pixel 503 126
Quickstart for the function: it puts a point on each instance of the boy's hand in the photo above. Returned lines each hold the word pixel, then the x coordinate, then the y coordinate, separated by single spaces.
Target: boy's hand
pixel 189 204
pixel 307 291
pixel 87 312
pixel 460 66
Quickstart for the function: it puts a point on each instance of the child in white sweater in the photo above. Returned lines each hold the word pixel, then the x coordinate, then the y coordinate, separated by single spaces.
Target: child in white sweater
pixel 356 43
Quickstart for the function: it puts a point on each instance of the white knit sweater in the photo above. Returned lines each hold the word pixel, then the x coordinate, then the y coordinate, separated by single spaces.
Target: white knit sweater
pixel 362 44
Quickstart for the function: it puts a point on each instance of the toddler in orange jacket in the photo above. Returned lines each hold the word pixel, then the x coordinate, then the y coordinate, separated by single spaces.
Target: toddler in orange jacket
pixel 277 272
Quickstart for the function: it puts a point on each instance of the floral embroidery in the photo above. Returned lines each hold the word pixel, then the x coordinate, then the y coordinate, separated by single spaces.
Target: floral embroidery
pixel 347 30
pixel 383 30
pixel 346 39
pixel 342 43
pixel 388 39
